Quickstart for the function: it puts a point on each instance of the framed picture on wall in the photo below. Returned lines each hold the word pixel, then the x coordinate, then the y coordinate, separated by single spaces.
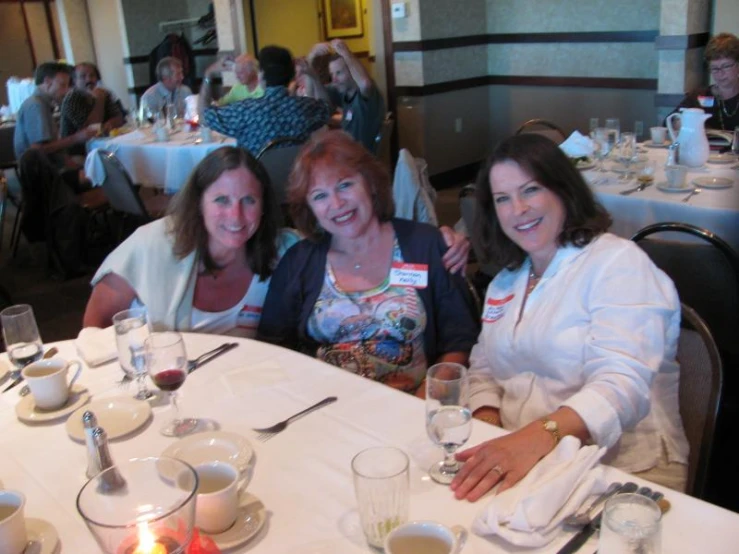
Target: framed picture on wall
pixel 342 18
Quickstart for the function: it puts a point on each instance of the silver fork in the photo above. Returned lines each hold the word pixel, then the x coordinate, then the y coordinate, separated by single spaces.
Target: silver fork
pixel 267 433
pixel 695 191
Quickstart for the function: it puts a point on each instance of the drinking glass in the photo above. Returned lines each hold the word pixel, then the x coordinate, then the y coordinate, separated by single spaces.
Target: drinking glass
pixel 645 176
pixel 614 125
pixel 631 524
pixel 638 129
pixel 735 143
pixel 381 485
pixel 593 125
pixel 603 145
pixel 627 153
pixel 22 340
pixel 448 415
pixel 131 330
pixel 166 362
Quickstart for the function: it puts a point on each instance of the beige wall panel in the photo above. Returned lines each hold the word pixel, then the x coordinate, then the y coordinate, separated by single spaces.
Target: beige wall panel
pixel 15 53
pixel 293 24
pixel 454 63
pixel 699 16
pixel 445 18
pixel 108 37
pixel 40 31
pixel 408 69
pixel 726 17
pixel 671 79
pixel 411 124
pixel 75 37
pixel 409 27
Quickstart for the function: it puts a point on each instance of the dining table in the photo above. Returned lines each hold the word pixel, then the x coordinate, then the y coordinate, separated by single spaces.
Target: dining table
pixel 302 475
pixel 712 208
pixel 153 163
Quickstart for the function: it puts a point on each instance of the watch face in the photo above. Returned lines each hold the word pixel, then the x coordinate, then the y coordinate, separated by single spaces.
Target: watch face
pixel 550 425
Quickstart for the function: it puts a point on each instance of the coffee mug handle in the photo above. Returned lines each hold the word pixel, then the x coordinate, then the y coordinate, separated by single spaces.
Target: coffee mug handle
pixel 460 533
pixel 76 373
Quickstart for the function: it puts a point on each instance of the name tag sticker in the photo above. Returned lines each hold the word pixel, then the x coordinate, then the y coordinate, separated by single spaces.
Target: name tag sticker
pixel 409 275
pixel 706 101
pixel 495 308
pixel 348 115
pixel 249 316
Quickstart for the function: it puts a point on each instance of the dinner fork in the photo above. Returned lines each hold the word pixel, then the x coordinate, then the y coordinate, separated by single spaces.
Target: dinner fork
pixel 695 191
pixel 267 433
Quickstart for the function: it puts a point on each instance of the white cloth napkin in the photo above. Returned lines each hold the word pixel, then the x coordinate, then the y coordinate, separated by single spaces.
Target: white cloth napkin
pixel 529 514
pixel 577 145
pixel 94 168
pixel 96 346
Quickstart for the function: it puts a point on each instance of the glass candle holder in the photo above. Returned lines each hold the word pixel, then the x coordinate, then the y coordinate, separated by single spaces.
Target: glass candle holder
pixel 142 506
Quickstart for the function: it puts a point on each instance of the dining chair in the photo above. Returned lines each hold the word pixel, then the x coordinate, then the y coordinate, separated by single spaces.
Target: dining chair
pixel 277 157
pixel 486 269
pixel 543 127
pixel 700 390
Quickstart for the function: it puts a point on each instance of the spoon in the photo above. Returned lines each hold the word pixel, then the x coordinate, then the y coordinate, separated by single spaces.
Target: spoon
pixel 581 517
pixel 694 192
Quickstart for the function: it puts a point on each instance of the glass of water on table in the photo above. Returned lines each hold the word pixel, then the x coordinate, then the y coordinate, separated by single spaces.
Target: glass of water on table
pixel 448 415
pixel 131 330
pixel 21 336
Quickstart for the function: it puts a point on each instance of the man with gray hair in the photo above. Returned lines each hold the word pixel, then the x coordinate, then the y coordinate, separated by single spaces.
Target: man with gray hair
pixel 169 89
pixel 246 68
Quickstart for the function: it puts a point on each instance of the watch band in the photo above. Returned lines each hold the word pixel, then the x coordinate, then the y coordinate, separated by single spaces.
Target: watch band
pixel 551 427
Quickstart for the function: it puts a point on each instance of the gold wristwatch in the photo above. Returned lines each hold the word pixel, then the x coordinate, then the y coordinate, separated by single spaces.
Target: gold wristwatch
pixel 552 428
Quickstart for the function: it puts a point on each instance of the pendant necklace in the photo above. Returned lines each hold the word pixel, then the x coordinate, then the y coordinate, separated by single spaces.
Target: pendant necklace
pixel 533 281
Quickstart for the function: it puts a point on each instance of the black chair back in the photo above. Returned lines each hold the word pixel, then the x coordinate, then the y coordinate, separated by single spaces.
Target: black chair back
pixel 277 157
pixel 543 127
pixel 119 188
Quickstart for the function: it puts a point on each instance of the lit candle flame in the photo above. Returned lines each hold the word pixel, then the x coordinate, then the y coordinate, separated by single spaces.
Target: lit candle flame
pixel 147 542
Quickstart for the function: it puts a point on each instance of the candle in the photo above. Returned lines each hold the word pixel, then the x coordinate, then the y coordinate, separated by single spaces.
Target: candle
pixel 147 542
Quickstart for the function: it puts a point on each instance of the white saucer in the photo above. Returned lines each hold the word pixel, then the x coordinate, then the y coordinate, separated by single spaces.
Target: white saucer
pixel 27 411
pixel 664 187
pixel 249 521
pixel 714 182
pixel 650 144
pixel 725 158
pixel 42 536
pixel 4 370
pixel 220 446
pixel 118 416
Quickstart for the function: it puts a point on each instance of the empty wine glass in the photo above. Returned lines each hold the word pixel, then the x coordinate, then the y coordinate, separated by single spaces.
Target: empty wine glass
pixel 448 415
pixel 593 125
pixel 166 362
pixel 615 125
pixel 627 154
pixel 131 330
pixel 21 336
pixel 603 145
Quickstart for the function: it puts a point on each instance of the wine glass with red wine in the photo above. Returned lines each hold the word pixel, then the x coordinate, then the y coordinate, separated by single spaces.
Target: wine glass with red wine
pixel 21 336
pixel 166 362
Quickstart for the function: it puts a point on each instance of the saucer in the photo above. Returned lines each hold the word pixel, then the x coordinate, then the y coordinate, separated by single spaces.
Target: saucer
pixel 250 519
pixel 42 536
pixel 118 416
pixel 665 187
pixel 713 182
pixel 27 411
pixel 213 446
pixel 725 158
pixel 650 144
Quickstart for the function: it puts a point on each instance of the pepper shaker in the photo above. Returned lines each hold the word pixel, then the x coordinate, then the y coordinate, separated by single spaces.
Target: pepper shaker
pixel 112 480
pixel 89 422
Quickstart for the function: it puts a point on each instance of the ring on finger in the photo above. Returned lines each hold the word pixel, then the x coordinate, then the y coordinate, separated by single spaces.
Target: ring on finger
pixel 499 470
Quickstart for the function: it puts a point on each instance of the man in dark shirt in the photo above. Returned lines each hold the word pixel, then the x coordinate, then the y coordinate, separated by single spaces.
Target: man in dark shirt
pixel 354 91
pixel 255 122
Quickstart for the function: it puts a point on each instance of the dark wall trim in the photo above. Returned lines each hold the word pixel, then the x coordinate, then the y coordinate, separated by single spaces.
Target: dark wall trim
pixel 197 52
pixel 454 177
pixel 588 82
pixel 667 100
pixel 681 42
pixel 525 38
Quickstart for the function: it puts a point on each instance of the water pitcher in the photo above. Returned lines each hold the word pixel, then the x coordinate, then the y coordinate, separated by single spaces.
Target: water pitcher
pixel 692 138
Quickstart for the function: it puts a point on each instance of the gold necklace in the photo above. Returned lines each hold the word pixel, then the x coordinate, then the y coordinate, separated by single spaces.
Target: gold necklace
pixel 533 281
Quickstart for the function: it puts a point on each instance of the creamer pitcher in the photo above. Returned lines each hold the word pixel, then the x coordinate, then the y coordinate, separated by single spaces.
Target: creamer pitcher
pixel 692 138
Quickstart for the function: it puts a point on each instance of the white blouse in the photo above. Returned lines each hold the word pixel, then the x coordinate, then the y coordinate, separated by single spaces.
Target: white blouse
pixel 598 334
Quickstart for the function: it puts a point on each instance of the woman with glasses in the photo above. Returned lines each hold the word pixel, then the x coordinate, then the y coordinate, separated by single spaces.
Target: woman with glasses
pixel 721 99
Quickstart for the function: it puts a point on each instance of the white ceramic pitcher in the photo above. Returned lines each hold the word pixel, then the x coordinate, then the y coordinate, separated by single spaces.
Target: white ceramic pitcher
pixel 692 138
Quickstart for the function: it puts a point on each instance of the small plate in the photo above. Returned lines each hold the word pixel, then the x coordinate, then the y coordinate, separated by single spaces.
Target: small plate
pixel 27 411
pixel 249 521
pixel 665 187
pixel 650 144
pixel 713 182
pixel 42 536
pixel 725 158
pixel 213 446
pixel 118 416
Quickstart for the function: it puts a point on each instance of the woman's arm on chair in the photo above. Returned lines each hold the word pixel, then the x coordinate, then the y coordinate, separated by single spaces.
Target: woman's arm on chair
pixel 110 295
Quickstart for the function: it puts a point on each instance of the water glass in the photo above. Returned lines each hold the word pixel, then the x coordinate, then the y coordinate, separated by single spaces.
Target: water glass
pixel 602 138
pixel 638 129
pixel 615 125
pixel 593 125
pixel 381 484
pixel 21 336
pixel 627 154
pixel 631 524
pixel 131 330
pixel 735 143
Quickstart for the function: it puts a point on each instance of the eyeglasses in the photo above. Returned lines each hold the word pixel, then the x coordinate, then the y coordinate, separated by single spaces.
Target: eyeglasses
pixel 722 68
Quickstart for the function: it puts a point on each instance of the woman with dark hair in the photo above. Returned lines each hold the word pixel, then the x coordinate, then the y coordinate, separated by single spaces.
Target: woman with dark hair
pixel 721 99
pixel 579 333
pixel 206 266
pixel 365 292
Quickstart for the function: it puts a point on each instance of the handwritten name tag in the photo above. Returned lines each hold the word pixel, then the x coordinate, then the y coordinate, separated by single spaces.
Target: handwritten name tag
pixel 249 316
pixel 495 308
pixel 706 101
pixel 409 275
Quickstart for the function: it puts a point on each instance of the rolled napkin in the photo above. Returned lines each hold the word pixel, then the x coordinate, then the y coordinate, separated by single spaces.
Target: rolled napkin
pixel 577 145
pixel 96 346
pixel 530 513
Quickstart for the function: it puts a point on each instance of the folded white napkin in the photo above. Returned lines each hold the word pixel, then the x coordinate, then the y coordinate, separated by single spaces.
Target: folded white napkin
pixel 96 346
pixel 94 168
pixel 577 145
pixel 529 514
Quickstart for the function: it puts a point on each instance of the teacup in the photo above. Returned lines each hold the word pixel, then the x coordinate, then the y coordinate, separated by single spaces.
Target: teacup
pixel 675 175
pixel 425 537
pixel 217 502
pixel 47 380
pixel 658 134
pixel 12 522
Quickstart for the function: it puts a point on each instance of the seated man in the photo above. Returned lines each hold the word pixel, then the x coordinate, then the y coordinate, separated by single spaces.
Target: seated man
pixel 86 104
pixel 169 89
pixel 246 68
pixel 354 91
pixel 35 126
pixel 277 114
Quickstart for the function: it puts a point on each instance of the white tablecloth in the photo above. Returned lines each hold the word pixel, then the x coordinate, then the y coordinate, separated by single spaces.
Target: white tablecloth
pixel 714 209
pixel 159 164
pixel 303 475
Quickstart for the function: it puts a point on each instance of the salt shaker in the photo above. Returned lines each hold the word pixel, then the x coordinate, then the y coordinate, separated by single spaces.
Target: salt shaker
pixel 111 480
pixel 89 422
pixel 673 154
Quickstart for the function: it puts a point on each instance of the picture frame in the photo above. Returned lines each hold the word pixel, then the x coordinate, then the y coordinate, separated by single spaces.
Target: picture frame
pixel 342 18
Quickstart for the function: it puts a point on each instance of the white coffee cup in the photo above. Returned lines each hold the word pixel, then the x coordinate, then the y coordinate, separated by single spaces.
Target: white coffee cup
pixel 658 134
pixel 47 380
pixel 425 537
pixel 675 175
pixel 217 502
pixel 13 538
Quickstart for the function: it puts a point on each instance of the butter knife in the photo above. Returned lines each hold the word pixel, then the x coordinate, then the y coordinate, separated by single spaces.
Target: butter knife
pixel 576 542
pixel 192 365
pixel 18 380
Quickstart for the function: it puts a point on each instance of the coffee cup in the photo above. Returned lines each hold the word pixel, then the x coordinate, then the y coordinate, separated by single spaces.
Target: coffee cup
pixel 658 134
pixel 12 522
pixel 675 175
pixel 47 380
pixel 425 537
pixel 217 501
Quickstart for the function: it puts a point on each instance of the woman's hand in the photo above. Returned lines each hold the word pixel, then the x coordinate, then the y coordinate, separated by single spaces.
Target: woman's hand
pixel 455 259
pixel 505 460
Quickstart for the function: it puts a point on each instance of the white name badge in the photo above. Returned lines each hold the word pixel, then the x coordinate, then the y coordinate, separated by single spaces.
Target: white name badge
pixel 348 115
pixel 249 316
pixel 409 275
pixel 495 308
pixel 706 101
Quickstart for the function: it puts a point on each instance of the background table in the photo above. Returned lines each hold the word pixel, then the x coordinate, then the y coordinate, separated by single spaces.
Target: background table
pixel 303 475
pixel 714 209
